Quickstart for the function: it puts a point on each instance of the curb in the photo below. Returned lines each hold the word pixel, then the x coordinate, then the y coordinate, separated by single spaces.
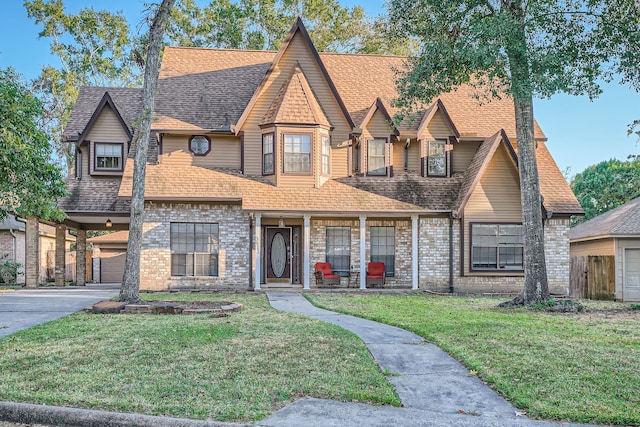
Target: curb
pixel 62 416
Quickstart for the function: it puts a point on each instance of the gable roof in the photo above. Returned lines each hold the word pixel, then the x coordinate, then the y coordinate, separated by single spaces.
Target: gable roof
pixel 298 28
pixel 378 105
pixel 621 221
pixel 479 165
pixel 126 104
pixel 295 103
pixel 430 114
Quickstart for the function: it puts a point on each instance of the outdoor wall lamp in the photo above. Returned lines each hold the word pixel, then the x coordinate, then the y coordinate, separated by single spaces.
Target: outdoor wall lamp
pixel 108 224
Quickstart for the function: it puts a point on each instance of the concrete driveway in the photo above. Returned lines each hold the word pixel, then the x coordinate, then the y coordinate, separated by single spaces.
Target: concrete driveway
pixel 24 308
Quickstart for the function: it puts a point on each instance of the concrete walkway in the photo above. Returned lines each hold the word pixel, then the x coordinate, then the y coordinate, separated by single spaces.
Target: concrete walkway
pixel 434 388
pixel 24 308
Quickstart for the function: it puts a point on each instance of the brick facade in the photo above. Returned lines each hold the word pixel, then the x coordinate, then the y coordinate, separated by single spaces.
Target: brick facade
pixel 233 254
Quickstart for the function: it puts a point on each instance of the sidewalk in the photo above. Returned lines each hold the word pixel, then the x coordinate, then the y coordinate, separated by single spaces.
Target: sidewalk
pixel 26 307
pixel 434 388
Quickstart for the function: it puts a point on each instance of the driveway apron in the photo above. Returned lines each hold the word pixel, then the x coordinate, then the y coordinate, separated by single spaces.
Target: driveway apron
pixel 24 308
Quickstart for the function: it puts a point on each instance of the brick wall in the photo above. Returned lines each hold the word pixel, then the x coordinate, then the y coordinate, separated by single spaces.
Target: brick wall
pixel 233 254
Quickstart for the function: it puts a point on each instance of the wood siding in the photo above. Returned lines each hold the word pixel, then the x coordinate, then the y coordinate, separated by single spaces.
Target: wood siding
pixel 496 198
pixel 594 247
pixel 462 155
pixel 107 128
pixel 225 152
pixel 298 52
pixel 438 128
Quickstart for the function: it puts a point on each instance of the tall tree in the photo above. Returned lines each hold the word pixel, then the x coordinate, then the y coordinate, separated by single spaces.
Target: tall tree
pixel 602 187
pixel 522 49
pixel 29 182
pixel 93 48
pixel 130 288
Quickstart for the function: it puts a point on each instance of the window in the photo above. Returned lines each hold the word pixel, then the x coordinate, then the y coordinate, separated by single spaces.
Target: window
pixel 194 249
pixel 383 248
pixel 200 145
pixel 356 158
pixel 339 249
pixel 109 156
pixel 437 160
pixel 326 155
pixel 375 157
pixel 297 153
pixel 267 153
pixel 496 247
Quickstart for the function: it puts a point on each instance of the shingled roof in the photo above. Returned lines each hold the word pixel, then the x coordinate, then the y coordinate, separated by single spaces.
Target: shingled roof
pixel 94 195
pixel 167 182
pixel 128 102
pixel 621 221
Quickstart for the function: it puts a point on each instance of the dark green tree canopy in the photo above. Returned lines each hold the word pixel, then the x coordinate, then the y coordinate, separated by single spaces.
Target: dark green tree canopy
pixel 602 187
pixel 29 182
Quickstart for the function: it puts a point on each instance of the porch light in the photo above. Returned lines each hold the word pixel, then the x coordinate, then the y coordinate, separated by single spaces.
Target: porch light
pixel 108 224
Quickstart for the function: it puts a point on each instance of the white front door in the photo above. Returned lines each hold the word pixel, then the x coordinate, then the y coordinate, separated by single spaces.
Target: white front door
pixel 632 274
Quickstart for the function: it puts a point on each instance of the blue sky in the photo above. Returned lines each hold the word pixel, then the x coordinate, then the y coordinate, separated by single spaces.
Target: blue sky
pixel 581 133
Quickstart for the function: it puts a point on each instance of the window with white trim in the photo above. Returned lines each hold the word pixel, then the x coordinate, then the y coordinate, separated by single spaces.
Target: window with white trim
pixel 297 153
pixel 376 164
pixel 437 158
pixel 108 156
pixel 267 153
pixel 496 247
pixel 326 155
pixel 383 248
pixel 338 248
pixel 194 249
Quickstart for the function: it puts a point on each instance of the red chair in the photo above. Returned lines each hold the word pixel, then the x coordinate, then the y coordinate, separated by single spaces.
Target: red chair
pixel 375 274
pixel 325 275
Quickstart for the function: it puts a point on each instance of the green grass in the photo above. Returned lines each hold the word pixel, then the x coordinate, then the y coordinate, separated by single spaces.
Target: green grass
pixel 239 368
pixel 577 367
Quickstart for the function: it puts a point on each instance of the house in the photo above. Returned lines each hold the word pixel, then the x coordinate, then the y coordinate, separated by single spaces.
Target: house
pixel 264 163
pixel 13 248
pixel 615 233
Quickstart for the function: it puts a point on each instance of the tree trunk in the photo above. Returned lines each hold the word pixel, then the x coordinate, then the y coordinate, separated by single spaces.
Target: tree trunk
pixel 129 291
pixel 536 287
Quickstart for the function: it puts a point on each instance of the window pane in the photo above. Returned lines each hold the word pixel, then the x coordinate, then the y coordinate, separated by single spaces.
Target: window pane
pixel 383 248
pixel 267 153
pixel 376 157
pixel 297 153
pixel 437 161
pixel 339 249
pixel 108 156
pixel 194 248
pixel 200 144
pixel 497 246
pixel 326 155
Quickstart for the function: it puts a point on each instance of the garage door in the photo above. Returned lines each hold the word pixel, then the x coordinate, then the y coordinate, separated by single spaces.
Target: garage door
pixel 632 274
pixel 112 265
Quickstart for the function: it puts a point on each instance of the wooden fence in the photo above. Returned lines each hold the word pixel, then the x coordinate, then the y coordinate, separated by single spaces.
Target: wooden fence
pixel 592 277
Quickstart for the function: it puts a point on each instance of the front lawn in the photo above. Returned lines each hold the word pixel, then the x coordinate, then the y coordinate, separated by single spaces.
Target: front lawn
pixel 239 368
pixel 577 367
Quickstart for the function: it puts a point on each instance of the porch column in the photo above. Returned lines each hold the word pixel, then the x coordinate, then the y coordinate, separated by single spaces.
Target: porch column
pixel 414 252
pixel 32 258
pixel 61 232
pixel 81 258
pixel 258 251
pixel 363 252
pixel 307 251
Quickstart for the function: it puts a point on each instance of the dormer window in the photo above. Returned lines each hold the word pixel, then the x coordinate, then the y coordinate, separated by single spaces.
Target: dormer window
pixel 297 153
pixel 108 156
pixel 199 145
pixel 376 164
pixel 437 158
pixel 267 154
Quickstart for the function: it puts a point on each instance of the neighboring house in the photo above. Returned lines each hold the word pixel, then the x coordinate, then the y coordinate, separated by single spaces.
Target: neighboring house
pixel 13 248
pixel 263 163
pixel 615 233
pixel 109 251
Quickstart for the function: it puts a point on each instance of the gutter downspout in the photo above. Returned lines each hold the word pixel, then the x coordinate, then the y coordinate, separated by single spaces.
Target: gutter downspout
pixel 451 289
pixel 250 250
pixel 15 245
